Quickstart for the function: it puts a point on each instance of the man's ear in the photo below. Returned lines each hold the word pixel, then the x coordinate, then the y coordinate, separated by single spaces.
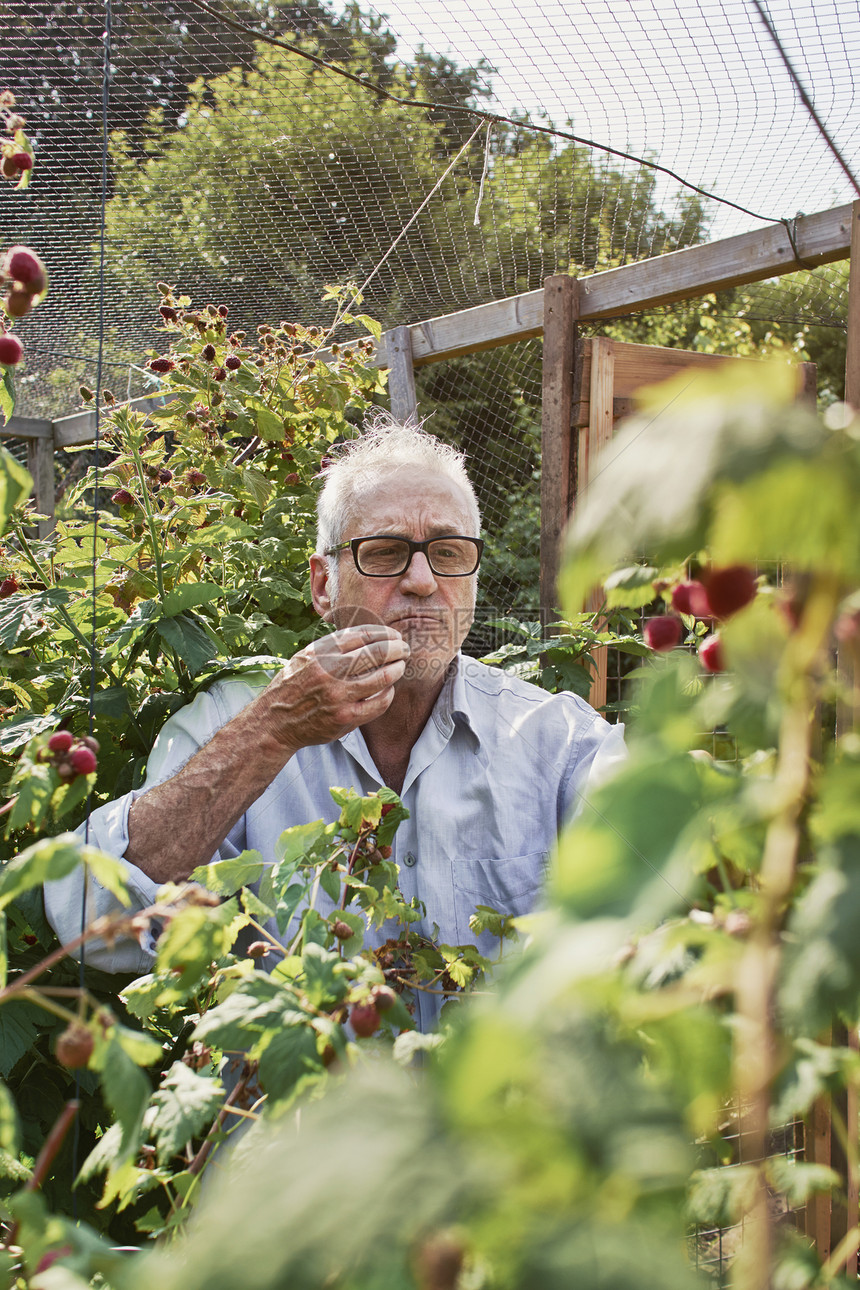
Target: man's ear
pixel 320 588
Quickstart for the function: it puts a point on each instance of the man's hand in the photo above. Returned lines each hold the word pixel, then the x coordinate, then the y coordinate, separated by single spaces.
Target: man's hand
pixel 333 685
pixel 324 691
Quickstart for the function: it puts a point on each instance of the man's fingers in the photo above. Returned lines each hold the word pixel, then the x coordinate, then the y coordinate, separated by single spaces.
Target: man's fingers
pixel 363 634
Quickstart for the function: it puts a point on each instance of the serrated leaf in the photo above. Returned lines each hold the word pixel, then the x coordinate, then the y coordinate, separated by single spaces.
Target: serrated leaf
pixel 16 483
pixel 189 594
pixel 290 1056
pixel 226 877
pixel 10 1133
pixel 44 861
pixel 184 1104
pixel 20 1024
pixel 188 639
pixel 295 843
pixel 126 1090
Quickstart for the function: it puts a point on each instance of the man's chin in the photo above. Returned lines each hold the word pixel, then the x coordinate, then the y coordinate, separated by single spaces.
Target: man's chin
pixel 425 667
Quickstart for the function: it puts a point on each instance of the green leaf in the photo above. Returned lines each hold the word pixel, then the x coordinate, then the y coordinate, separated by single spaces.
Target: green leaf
pixel 20 613
pixel 631 587
pixel 184 1104
pixel 10 1133
pixel 126 1090
pixel 7 399
pixel 16 483
pixel 44 861
pixel 324 983
pixel 290 1055
pixel 374 327
pixel 226 877
pixel 188 639
pixel 296 842
pixel 189 594
pixel 20 1024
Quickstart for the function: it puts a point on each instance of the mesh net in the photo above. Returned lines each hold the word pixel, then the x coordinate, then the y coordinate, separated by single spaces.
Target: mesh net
pixel 246 173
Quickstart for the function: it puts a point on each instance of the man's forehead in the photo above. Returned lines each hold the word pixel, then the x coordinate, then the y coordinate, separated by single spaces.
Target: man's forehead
pixel 399 499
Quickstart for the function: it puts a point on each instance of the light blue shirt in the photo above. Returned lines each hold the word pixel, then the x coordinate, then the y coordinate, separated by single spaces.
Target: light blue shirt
pixel 496 771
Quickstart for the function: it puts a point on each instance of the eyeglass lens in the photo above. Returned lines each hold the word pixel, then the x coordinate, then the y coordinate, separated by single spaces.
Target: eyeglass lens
pixel 449 557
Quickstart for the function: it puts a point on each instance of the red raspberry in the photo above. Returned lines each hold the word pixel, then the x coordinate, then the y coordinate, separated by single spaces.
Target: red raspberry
pixel 729 589
pixel 364 1019
pixel 220 374
pixel 223 311
pixel 22 160
pixel 168 313
pixel 233 362
pixel 162 365
pixel 387 808
pixel 8 169
pixel 122 497
pixel 385 852
pixel 24 266
pixel 663 634
pixel 61 741
pixel 711 654
pixel 11 350
pixel 83 760
pixel 208 353
pixel 691 598
pixel 292 478
pixel 89 741
pixel 165 475
pixel 9 586
pixel 194 478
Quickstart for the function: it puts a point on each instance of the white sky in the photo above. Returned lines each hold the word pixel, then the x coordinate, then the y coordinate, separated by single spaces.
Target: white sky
pixel 697 84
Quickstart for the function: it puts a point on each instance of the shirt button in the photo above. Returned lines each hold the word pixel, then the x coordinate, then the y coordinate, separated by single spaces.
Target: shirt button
pixel 409 860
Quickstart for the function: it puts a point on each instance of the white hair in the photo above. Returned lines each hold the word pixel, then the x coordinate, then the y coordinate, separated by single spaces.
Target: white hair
pixel 362 464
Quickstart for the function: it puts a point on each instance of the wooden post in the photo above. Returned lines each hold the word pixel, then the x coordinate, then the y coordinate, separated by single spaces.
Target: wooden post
pixel 595 438
pixel 558 458
pixel 40 463
pixel 401 374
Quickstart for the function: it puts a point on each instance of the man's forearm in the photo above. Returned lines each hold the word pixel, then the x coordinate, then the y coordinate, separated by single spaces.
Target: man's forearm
pixel 180 824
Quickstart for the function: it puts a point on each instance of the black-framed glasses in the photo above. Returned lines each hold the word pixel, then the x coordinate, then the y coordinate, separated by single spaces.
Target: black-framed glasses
pixel 388 557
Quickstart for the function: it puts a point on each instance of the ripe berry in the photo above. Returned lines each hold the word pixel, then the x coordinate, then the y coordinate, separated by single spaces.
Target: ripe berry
pixel 208 353
pixel 89 741
pixel 663 633
pixel 364 1019
pixel 385 852
pixel 292 478
pixel 17 302
pixel 11 350
pixel 691 598
pixel 165 475
pixel 223 311
pixel 83 761
pixel 220 374
pixel 195 478
pixel 122 497
pixel 8 169
pixel 162 365
pixel 61 741
pixel 8 586
pixel 168 313
pixel 22 160
pixel 233 362
pixel 729 589
pixel 387 808
pixel 711 654
pixel 74 1047
pixel 24 266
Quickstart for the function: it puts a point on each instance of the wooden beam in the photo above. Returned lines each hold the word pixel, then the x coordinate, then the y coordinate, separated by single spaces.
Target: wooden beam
pixel 401 374
pixel 662 280
pixel 852 356
pixel 27 428
pixel 558 460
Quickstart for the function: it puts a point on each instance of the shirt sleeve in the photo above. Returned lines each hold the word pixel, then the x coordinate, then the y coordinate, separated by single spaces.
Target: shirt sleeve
pixel 601 752
pixel 181 737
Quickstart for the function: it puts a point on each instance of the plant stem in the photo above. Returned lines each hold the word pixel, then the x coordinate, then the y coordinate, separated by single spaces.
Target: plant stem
pixel 46 1156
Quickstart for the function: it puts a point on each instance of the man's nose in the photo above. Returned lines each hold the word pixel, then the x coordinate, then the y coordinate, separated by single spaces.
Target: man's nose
pixel 419 578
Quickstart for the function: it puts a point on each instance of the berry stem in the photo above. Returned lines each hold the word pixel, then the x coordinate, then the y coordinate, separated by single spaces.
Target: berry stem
pixel 46 1157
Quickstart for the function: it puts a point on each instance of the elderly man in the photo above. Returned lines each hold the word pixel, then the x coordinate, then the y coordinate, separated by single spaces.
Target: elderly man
pixel 488 766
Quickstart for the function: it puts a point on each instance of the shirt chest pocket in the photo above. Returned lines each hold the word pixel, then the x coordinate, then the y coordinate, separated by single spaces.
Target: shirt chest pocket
pixel 510 886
